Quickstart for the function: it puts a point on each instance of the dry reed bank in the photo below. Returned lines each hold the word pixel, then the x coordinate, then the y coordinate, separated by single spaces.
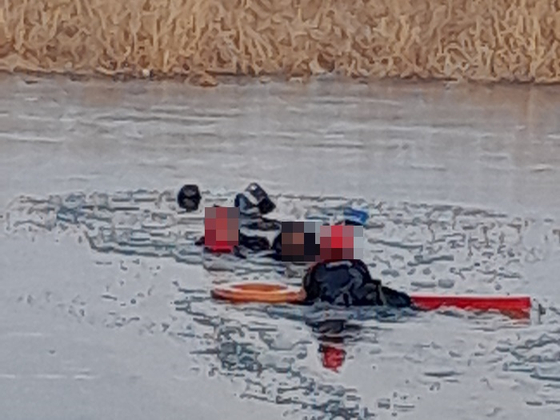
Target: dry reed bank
pixel 488 40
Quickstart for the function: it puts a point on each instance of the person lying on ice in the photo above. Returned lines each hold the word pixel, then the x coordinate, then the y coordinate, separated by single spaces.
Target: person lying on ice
pixel 341 279
pixel 256 231
pixel 335 275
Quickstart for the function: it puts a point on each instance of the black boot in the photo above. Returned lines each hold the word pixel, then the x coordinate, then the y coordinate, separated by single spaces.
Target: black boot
pixel 254 201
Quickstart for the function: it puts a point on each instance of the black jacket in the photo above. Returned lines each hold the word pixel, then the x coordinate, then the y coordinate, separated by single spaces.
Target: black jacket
pixel 349 283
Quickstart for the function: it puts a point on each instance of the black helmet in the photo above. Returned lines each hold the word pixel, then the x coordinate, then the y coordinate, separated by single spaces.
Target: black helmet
pixel 189 197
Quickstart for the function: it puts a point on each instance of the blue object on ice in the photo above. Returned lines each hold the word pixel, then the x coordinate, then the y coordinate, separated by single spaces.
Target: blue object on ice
pixel 355 216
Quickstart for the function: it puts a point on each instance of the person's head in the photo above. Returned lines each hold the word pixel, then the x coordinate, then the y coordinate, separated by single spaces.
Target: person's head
pixel 299 241
pixel 189 197
pixel 221 227
pixel 341 242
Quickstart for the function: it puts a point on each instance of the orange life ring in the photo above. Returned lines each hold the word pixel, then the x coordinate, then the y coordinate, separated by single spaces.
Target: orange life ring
pixel 258 292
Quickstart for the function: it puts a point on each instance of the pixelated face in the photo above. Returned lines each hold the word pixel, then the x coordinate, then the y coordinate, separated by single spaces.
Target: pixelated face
pixel 341 242
pixel 299 241
pixel 221 227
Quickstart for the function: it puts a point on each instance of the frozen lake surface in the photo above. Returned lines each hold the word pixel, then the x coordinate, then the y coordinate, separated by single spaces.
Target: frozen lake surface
pixel 105 309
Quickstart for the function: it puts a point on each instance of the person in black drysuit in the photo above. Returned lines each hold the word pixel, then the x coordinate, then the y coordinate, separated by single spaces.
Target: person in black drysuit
pixel 338 282
pixel 349 283
pixel 256 232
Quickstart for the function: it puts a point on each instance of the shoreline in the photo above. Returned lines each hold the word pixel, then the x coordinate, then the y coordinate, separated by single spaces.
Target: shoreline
pixel 201 41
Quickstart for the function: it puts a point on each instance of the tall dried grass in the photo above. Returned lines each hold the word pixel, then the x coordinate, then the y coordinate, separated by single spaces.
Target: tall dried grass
pixel 488 40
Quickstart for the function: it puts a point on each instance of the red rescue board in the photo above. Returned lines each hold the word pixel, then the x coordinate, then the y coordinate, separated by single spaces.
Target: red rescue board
pixel 474 302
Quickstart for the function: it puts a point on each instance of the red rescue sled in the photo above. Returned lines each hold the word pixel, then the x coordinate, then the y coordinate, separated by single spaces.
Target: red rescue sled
pixel 280 293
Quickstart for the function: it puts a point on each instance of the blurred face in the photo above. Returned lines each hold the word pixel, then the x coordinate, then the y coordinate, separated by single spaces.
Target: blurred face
pixel 341 242
pixel 293 243
pixel 221 227
pixel 294 237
